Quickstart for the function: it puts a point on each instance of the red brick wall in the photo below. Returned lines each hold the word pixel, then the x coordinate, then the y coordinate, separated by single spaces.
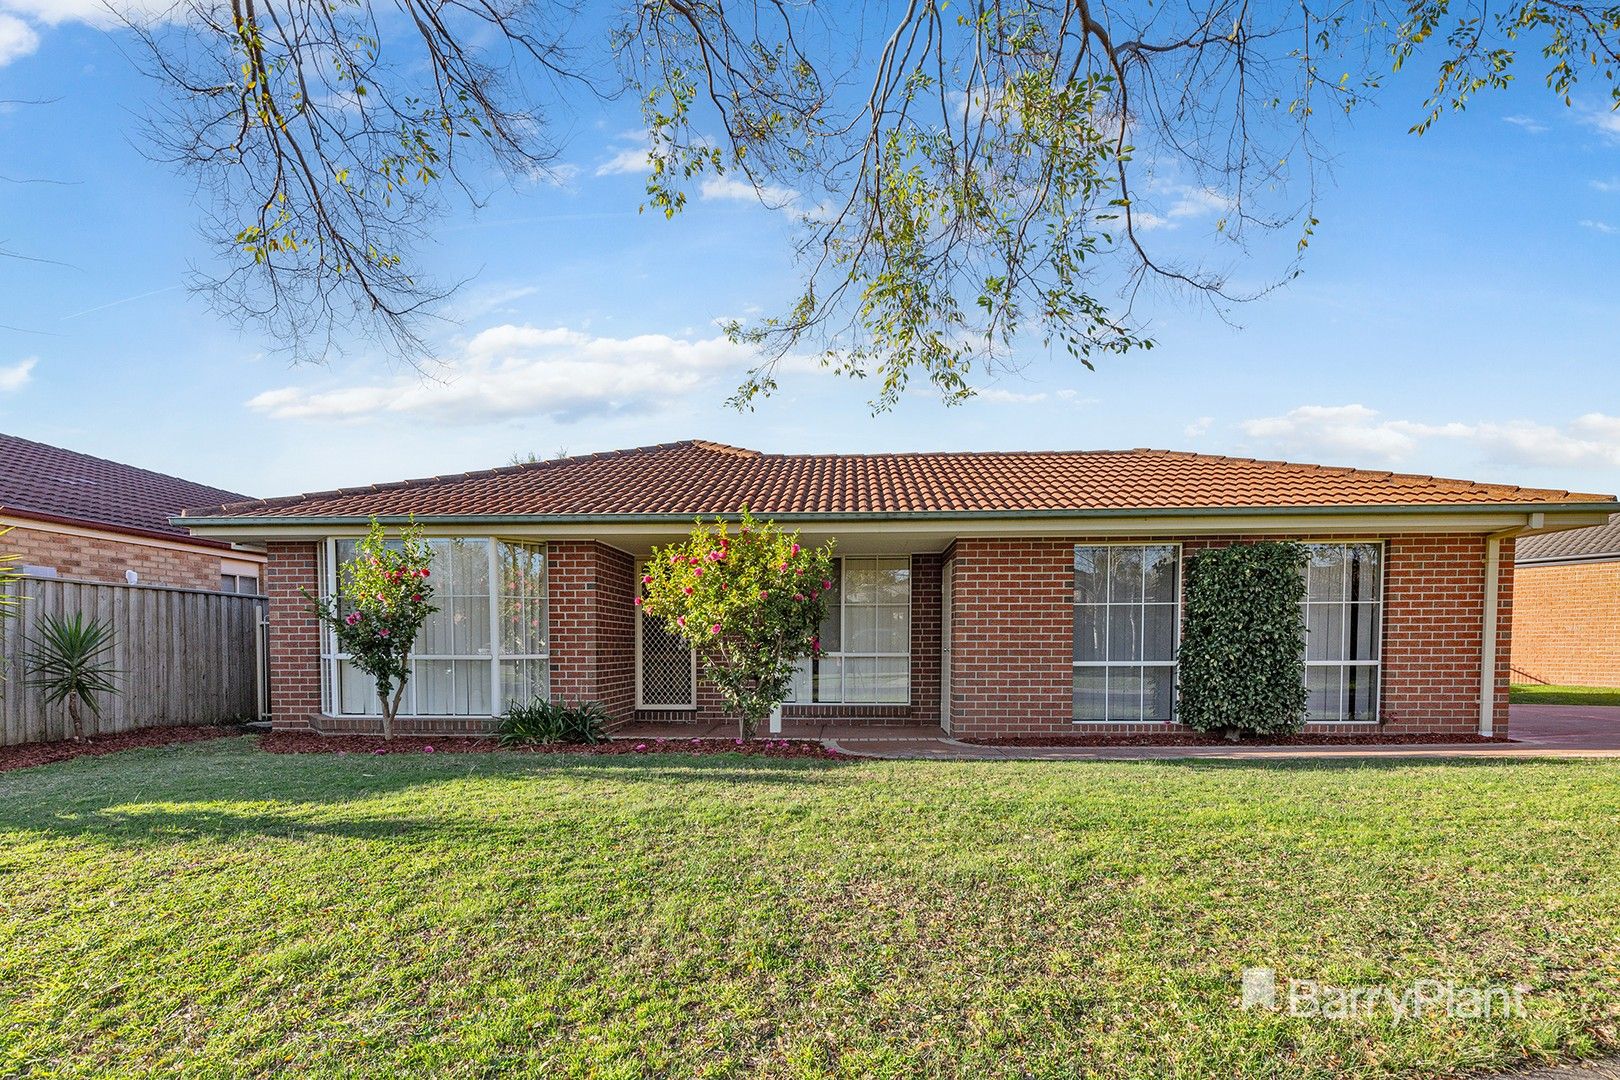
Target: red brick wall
pixel 615 632
pixel 1566 624
pixel 295 634
pixel 1012 636
pixel 96 558
pixel 593 645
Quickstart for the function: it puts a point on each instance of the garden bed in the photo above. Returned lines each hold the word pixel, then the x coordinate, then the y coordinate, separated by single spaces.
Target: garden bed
pixel 31 754
pixel 1195 738
pixel 299 742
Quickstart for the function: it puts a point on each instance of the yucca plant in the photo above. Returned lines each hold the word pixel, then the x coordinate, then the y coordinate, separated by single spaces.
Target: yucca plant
pixel 70 661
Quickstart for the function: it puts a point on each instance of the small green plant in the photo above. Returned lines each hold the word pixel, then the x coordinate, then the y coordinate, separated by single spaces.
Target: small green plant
pixel 386 591
pixel 749 602
pixel 553 722
pixel 1241 667
pixel 71 661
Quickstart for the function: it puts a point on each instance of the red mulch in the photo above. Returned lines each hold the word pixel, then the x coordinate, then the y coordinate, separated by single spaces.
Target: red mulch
pixel 300 742
pixel 1195 738
pixel 31 754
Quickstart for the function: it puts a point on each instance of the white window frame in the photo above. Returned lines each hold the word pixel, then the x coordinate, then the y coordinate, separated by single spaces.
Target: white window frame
pixel 332 659
pixel 1377 665
pixel 843 636
pixel 1175 645
pixel 641 703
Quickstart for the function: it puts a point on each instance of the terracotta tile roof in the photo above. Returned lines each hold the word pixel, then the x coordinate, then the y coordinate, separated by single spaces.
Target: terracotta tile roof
pixel 1597 542
pixel 697 477
pixel 37 480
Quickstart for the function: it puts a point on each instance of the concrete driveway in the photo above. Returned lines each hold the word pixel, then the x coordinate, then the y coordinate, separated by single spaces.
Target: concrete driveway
pixel 1566 727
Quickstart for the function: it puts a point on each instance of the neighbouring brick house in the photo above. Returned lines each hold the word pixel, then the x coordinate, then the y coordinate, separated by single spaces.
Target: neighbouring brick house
pixel 1566 624
pixel 997 594
pixel 71 515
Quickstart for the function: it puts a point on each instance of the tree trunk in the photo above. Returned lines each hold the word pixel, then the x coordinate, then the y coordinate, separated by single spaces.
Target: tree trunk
pixel 73 715
pixel 390 709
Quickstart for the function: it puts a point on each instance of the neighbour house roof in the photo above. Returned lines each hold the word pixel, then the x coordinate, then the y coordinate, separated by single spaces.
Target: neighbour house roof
pixel 49 483
pixel 1572 545
pixel 695 477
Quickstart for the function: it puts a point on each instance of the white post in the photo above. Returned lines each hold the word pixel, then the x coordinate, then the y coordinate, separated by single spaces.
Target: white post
pixel 776 720
pixel 1487 664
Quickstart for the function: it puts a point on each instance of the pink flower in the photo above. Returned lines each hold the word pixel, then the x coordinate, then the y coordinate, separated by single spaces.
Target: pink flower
pixel 638 601
pixel 798 596
pixel 795 550
pixel 381 597
pixel 781 566
pixel 723 586
pixel 641 747
pixel 427 749
pixel 698 572
pixel 647 580
pixel 417 597
pixel 425 572
pixel 382 633
pixel 715 629
pixel 826 584
pixel 680 620
pixel 764 594
pixel 687 590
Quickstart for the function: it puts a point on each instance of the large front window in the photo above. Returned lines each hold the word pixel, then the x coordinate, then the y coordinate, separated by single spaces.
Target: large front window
pixel 486 647
pixel 1126 622
pixel 865 638
pixel 1343 623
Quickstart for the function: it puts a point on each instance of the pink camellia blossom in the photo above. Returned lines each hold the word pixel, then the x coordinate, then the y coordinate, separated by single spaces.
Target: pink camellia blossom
pixel 687 590
pixel 698 572
pixel 826 583
pixel 382 633
pixel 723 586
pixel 416 598
pixel 764 594
pixel 638 601
pixel 427 749
pixel 781 566
pixel 798 596
pixel 680 620
pixel 795 549
pixel 381 597
pixel 425 572
pixel 647 580
pixel 715 629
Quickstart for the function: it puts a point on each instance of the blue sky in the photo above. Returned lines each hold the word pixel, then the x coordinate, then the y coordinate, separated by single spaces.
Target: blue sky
pixel 1458 313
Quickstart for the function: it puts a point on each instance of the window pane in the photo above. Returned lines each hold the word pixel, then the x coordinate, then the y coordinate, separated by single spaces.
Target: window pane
pixel 357 691
pixel 1158 692
pixel 1361 693
pixel 1324 631
pixel 227 583
pixel 860 680
pixel 860 624
pixel 1090 575
pixel 1090 693
pixel 523 612
pixel 829 679
pixel 1361 638
pixel 1323 686
pixel 1090 633
pixel 1124 693
pixel 860 581
pixel 832 638
pixel 523 681
pixel 452 688
pixel 1124 632
pixel 1366 571
pixel 894 630
pixel 1124 574
pixel 1325 572
pixel 893 680
pixel 1159 632
pixel 894 581
pixel 1159 568
pixel 471 625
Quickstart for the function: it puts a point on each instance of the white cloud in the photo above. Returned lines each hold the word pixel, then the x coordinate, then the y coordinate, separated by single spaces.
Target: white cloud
pixel 1009 397
pixel 632 159
pixel 739 189
pixel 1599 226
pixel 1179 203
pixel 1528 123
pixel 95 12
pixel 17 375
pixel 510 371
pixel 1360 432
pixel 1199 427
pixel 1606 121
pixel 17 39
pixel 1608 187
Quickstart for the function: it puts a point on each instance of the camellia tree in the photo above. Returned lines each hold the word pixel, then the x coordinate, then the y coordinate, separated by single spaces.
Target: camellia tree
pixel 383 599
pixel 748 601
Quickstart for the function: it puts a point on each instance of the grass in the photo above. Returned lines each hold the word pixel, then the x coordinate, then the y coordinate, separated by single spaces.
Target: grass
pixel 213 910
pixel 1539 694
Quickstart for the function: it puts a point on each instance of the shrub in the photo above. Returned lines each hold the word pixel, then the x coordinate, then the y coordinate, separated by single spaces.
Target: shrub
pixel 388 597
pixel 553 722
pixel 748 602
pixel 1242 662
pixel 71 661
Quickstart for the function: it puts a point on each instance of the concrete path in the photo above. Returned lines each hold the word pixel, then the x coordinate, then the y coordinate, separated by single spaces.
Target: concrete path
pixel 1608 1069
pixel 1538 731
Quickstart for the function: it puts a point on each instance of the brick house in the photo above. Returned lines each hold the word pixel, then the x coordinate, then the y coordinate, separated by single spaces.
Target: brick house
pixel 997 594
pixel 1566 626
pixel 75 516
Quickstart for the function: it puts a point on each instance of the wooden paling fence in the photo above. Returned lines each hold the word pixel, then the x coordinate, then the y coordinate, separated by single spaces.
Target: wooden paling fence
pixel 183 656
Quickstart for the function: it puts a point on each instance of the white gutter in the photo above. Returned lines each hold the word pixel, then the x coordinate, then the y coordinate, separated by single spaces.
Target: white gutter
pixel 1488 626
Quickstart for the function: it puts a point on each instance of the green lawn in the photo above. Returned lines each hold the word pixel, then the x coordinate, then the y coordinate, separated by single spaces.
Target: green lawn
pixel 215 910
pixel 1537 694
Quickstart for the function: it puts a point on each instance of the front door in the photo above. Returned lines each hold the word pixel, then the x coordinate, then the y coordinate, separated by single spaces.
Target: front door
pixel 945 645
